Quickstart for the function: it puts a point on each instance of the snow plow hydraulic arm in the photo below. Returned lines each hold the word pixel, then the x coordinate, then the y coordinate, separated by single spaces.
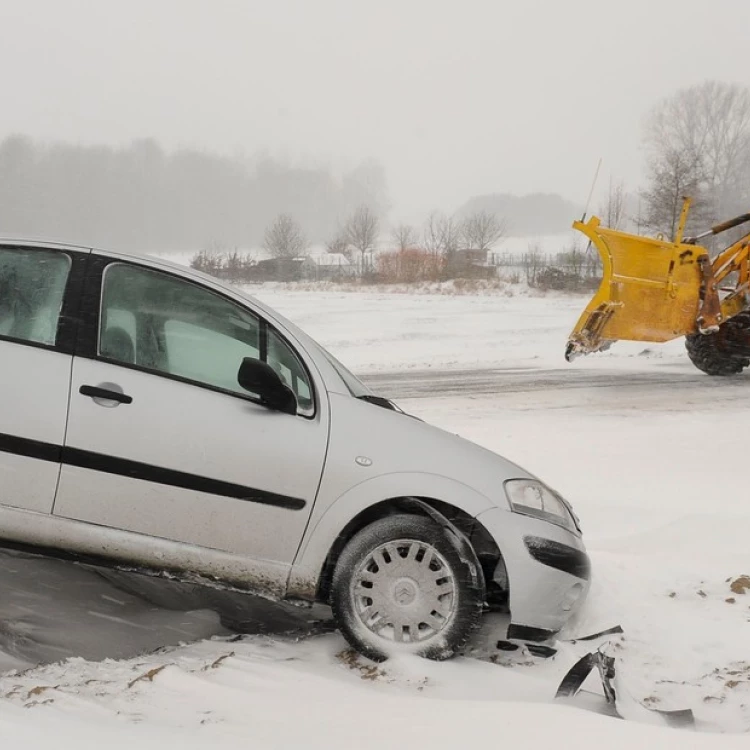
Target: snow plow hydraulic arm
pixel 718 229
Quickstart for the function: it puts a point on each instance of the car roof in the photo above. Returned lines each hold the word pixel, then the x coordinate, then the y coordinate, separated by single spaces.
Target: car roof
pixel 42 244
pixel 154 261
pixel 151 260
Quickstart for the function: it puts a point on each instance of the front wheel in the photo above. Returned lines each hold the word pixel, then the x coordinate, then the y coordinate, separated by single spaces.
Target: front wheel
pixel 401 586
pixel 724 352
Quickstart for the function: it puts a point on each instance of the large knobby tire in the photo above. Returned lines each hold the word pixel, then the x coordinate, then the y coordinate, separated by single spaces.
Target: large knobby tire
pixel 724 352
pixel 401 586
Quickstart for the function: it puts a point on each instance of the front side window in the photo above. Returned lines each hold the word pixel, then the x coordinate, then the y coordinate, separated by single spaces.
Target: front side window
pixel 32 287
pixel 163 323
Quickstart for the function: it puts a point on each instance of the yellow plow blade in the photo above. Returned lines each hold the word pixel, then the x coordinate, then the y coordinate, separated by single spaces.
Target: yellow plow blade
pixel 650 290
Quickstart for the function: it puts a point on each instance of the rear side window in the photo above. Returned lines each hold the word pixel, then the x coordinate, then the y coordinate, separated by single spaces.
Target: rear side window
pixel 163 323
pixel 32 287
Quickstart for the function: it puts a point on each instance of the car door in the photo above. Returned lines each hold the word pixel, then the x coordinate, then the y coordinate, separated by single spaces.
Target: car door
pixel 162 440
pixel 37 333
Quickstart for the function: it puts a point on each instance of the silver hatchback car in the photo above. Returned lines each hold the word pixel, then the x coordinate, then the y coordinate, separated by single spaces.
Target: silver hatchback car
pixel 152 417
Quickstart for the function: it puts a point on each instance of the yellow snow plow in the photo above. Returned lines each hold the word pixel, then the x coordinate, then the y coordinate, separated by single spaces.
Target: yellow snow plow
pixel 659 289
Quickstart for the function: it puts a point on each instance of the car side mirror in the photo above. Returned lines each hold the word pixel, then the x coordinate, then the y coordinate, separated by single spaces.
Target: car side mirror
pixel 259 377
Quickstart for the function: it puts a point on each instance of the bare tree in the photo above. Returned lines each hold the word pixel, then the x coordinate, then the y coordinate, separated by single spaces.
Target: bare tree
pixel 533 263
pixel 673 176
pixel 362 231
pixel 482 230
pixel 573 260
pixel 442 237
pixel 208 262
pixel 338 244
pixel 612 212
pixel 284 238
pixel 441 234
pixel 234 265
pixel 404 237
pixel 431 236
pixel 698 143
pixel 211 259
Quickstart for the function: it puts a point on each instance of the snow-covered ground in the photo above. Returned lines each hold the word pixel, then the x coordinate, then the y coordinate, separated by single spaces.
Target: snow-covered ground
pixel 656 475
pixel 513 327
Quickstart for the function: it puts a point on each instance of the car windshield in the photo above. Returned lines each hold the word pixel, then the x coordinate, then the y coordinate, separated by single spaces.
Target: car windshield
pixel 356 387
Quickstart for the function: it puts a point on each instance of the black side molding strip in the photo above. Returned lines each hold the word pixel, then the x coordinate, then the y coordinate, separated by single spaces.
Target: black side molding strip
pixel 145 472
pixel 19 446
pixel 149 473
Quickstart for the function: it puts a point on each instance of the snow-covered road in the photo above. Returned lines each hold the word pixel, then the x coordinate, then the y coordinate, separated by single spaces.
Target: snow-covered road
pixel 651 453
pixel 670 387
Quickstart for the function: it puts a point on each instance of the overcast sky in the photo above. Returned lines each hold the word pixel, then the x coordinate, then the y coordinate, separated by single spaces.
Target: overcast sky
pixel 453 98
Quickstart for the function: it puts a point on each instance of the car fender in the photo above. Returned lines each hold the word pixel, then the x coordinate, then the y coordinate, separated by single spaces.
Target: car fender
pixel 327 524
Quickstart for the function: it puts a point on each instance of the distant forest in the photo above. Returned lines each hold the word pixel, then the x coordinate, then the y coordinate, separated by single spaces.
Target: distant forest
pixel 143 198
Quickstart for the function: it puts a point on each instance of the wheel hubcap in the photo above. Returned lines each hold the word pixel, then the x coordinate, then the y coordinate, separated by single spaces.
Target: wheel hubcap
pixel 404 591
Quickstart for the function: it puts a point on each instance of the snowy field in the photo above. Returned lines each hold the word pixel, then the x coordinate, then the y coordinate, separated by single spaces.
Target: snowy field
pixel 650 453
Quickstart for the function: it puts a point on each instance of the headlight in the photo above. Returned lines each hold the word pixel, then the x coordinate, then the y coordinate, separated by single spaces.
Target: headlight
pixel 532 498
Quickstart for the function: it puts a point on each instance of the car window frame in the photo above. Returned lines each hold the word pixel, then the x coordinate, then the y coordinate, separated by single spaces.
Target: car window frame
pixel 93 299
pixel 66 333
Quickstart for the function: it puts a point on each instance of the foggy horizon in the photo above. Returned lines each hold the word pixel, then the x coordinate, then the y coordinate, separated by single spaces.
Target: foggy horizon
pixel 142 196
pixel 251 161
pixel 452 101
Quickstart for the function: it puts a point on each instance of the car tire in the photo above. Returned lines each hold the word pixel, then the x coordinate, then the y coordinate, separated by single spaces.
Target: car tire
pixel 401 586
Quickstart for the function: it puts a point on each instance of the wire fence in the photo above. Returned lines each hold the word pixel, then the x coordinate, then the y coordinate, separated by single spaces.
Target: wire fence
pixel 572 268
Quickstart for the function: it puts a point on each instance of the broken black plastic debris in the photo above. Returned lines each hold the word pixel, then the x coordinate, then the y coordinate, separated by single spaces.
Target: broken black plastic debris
pixel 538 649
pixel 535 649
pixel 577 674
pixel 507 646
pixel 609 631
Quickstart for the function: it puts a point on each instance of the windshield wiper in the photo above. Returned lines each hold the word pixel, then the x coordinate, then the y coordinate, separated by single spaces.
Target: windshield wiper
pixel 380 401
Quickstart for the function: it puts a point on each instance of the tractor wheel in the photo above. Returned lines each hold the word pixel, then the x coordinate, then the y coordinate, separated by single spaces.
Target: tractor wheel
pixel 726 352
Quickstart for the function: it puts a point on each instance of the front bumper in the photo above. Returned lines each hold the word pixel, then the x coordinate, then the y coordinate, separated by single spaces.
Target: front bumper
pixel 548 572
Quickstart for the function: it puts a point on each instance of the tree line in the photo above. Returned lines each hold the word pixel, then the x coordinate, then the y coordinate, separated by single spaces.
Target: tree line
pixel 360 235
pixel 446 248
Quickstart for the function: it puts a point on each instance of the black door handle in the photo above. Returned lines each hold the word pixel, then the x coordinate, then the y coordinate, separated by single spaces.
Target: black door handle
pixel 94 392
